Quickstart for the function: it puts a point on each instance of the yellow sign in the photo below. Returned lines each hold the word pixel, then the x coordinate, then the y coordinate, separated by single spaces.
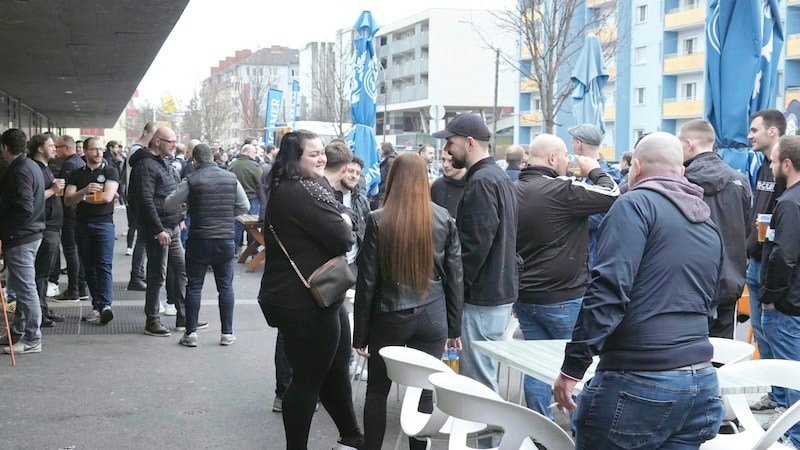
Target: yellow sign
pixel 168 105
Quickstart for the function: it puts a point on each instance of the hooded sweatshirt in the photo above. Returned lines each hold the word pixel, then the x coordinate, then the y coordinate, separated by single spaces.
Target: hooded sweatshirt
pixel 658 263
pixel 727 194
pixel 446 192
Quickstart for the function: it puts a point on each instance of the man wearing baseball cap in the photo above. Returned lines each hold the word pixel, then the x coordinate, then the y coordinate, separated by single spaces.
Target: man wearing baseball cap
pixel 586 140
pixel 487 223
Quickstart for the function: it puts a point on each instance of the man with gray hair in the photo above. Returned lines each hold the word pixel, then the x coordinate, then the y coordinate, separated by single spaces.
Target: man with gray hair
pixel 214 198
pixel 514 155
pixel 646 314
pixel 248 172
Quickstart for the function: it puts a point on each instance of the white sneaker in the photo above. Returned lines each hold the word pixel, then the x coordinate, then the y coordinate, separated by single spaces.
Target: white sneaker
pixel 778 411
pixel 52 289
pixel 763 403
pixel 229 339
pixel 169 310
pixel 129 251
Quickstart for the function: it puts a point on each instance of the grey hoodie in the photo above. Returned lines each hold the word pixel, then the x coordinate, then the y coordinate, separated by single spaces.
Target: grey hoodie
pixel 686 196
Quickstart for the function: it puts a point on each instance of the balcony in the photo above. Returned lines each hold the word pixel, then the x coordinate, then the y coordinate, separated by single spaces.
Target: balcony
pixel 675 64
pixel 793 2
pixel 596 3
pixel 408 94
pixel 606 34
pixel 793 46
pixel 528 85
pixel 408 69
pixel 792 94
pixel 529 119
pixel 610 113
pixel 612 73
pixel 683 18
pixel 682 109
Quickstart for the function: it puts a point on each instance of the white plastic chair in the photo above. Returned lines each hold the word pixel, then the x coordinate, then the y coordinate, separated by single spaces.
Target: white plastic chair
pixel 358 377
pixel 411 368
pixel 776 372
pixel 729 351
pixel 510 333
pixel 467 399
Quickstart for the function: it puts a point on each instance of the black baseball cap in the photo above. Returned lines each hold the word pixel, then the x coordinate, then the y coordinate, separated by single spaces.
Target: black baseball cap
pixel 467 124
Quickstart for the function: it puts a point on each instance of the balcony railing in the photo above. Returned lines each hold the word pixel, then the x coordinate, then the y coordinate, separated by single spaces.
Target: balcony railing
pixel 684 63
pixel 793 46
pixel 682 108
pixel 408 94
pixel 685 17
pixel 792 94
pixel 610 113
pixel 530 118
pixel 528 85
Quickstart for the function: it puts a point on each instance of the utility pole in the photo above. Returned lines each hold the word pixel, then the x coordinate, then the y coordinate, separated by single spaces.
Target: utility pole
pixel 493 147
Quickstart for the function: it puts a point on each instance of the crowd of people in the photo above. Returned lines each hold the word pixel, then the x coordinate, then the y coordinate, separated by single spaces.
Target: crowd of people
pixel 639 265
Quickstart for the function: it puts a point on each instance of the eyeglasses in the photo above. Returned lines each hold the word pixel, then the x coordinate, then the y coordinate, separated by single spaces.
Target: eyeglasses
pixel 94 149
pixel 62 145
pixel 167 140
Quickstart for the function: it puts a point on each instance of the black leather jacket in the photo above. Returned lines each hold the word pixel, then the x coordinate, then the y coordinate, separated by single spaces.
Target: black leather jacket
pixel 373 296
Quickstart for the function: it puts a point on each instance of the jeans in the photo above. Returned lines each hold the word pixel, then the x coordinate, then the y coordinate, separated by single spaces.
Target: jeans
pixel 785 343
pixel 19 262
pixel 423 328
pixel 255 208
pixel 187 221
pixel 201 253
pixel 165 263
pixel 481 323
pixel 764 347
pixel 318 348
pixel 541 322
pixel 96 248
pixel 673 409
pixel 75 274
pixel 45 257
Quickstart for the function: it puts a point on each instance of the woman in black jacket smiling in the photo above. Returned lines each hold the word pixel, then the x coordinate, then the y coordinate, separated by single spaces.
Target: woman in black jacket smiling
pixel 410 285
pixel 312 226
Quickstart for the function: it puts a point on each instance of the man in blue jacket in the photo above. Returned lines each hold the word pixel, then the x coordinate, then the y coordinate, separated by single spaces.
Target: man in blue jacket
pixel 646 314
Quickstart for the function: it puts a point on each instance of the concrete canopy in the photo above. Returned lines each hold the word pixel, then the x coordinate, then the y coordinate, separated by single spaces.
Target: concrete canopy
pixel 79 61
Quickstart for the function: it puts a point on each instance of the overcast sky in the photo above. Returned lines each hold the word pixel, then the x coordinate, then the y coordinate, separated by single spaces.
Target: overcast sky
pixel 210 30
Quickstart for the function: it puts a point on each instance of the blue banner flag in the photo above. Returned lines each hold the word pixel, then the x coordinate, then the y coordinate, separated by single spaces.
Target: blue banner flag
pixel 295 94
pixel 274 104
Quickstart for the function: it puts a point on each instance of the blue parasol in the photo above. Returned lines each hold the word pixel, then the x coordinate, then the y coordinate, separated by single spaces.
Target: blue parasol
pixel 589 76
pixel 363 101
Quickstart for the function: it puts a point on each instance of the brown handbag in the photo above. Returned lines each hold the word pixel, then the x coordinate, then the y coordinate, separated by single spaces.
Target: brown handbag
pixel 329 282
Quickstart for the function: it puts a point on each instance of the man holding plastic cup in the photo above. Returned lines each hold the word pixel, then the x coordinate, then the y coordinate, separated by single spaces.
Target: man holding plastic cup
pixel 91 189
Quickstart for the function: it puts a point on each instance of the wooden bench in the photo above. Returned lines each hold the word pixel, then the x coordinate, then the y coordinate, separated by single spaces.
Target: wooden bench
pixel 252 225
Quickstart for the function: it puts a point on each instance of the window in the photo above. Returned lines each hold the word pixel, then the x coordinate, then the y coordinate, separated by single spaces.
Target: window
pixel 640 55
pixel 637 134
pixel 690 46
pixel 689 91
pixel 639 96
pixel 641 14
pixel 537 104
pixel 689 4
pixel 383 40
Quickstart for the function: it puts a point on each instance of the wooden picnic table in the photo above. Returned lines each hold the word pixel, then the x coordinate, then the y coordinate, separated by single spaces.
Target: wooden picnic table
pixel 252 225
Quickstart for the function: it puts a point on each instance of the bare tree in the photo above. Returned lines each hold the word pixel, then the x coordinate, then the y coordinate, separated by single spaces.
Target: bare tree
pixel 193 118
pixel 216 110
pixel 548 32
pixel 253 97
pixel 331 87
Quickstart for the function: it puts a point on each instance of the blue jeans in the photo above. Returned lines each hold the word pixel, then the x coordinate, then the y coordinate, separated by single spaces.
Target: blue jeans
pixel 96 249
pixel 785 343
pixel 201 253
pixel 165 263
pixel 481 323
pixel 20 265
pixel 674 409
pixel 541 322
pixel 764 347
pixel 255 208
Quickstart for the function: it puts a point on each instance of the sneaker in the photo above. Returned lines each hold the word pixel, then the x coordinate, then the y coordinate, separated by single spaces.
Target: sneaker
pixel 129 251
pixel 106 316
pixel 778 411
pixel 169 310
pixel 356 442
pixel 227 339
pixel 189 340
pixel 180 325
pixel 83 295
pixel 52 289
pixel 67 296
pixel 137 285
pixel 277 404
pixel 156 328
pixel 47 323
pixel 21 348
pixel 763 403
pixel 55 317
pixel 93 316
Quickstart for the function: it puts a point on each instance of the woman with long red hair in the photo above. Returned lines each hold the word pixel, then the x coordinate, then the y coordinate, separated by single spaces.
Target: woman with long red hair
pixel 410 285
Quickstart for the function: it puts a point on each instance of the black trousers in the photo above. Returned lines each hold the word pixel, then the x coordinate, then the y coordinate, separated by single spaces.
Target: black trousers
pixel 75 273
pixel 317 343
pixel 724 324
pixel 423 328
pixel 48 251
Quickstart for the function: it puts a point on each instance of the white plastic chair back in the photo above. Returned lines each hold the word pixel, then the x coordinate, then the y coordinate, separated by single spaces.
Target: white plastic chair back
pixel 467 399
pixel 729 351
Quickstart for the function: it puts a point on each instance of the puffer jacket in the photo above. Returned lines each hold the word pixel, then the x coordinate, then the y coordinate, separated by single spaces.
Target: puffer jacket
pixel 152 180
pixel 374 296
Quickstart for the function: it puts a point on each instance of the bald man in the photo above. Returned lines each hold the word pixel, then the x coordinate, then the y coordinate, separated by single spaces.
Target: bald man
pixel 552 239
pixel 646 314
pixel 248 172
